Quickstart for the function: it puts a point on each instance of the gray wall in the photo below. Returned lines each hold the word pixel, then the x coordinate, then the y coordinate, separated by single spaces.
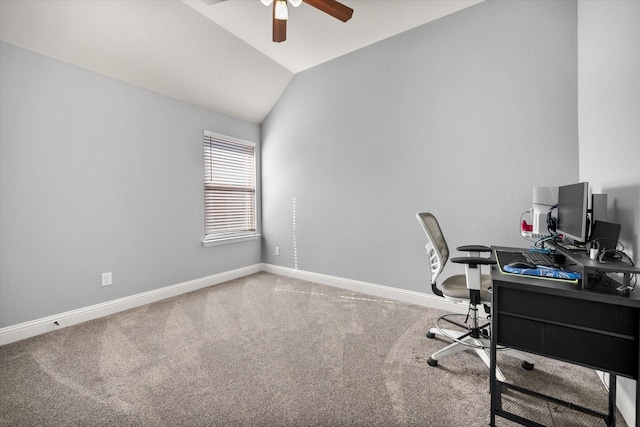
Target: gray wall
pixel 609 116
pixel 460 117
pixel 97 175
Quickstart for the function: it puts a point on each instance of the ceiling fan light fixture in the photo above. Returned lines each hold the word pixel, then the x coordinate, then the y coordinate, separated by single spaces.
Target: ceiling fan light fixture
pixel 267 2
pixel 295 3
pixel 282 12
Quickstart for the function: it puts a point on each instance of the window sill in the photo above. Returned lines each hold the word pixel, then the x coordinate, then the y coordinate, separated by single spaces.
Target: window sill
pixel 217 242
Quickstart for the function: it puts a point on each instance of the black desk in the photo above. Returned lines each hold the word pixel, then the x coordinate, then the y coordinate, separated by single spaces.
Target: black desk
pixel 562 320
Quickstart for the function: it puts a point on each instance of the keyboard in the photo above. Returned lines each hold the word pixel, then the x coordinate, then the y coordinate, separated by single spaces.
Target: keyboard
pixel 539 258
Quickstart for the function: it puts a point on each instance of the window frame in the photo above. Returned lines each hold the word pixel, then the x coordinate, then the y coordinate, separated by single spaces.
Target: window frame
pixel 213 239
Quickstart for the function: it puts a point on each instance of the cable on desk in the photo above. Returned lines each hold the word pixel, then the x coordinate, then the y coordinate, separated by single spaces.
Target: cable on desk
pixel 552 222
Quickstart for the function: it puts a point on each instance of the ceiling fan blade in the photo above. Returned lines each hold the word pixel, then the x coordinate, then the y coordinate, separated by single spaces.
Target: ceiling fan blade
pixel 333 8
pixel 279 27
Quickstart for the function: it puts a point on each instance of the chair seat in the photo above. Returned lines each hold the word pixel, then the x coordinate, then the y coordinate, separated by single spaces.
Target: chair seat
pixel 456 287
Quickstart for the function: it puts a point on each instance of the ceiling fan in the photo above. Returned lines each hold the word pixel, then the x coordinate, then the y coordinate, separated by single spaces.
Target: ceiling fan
pixel 280 13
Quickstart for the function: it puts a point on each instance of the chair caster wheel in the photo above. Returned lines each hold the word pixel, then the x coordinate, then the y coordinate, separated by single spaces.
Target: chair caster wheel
pixel 431 335
pixel 527 366
pixel 432 362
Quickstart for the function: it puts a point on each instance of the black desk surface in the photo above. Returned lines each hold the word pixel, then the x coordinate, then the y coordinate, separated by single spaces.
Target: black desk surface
pixel 563 288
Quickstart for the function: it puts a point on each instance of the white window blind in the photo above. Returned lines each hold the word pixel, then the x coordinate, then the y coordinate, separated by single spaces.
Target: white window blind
pixel 229 187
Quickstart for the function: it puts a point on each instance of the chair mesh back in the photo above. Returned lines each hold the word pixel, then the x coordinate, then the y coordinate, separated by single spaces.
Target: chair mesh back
pixel 437 249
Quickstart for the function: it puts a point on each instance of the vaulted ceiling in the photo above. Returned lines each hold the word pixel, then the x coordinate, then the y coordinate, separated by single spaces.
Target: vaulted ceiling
pixel 217 56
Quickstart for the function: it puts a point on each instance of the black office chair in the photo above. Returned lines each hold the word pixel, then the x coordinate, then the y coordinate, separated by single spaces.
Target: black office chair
pixel 473 287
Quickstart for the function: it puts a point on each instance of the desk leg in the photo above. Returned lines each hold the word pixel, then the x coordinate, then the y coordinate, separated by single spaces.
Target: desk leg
pixel 613 384
pixel 637 406
pixel 494 388
pixel 638 384
pixel 637 378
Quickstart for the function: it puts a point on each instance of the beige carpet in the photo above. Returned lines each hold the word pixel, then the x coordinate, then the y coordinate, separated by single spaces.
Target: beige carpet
pixel 265 350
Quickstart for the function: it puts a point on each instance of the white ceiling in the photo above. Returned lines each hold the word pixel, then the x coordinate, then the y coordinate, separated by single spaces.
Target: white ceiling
pixel 313 37
pixel 218 56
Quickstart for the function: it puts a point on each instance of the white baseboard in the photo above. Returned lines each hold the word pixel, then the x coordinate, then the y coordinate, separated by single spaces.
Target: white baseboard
pixel 387 292
pixel 626 405
pixel 624 402
pixel 50 323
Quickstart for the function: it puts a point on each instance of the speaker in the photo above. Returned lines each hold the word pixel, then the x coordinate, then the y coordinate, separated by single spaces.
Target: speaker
pixel 605 235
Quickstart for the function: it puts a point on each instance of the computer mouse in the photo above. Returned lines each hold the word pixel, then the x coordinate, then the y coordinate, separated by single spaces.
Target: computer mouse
pixel 521 264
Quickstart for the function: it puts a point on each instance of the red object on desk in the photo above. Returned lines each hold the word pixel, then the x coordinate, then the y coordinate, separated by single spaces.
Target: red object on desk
pixel 526 227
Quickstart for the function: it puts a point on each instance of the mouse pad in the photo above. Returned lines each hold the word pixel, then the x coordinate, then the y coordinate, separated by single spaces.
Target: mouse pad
pixel 503 258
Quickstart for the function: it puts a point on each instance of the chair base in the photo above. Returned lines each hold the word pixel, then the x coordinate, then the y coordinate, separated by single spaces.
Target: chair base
pixel 479 342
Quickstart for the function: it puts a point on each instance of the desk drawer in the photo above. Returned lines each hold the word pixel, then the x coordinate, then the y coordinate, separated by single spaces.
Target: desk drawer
pixel 521 334
pixel 598 350
pixel 582 313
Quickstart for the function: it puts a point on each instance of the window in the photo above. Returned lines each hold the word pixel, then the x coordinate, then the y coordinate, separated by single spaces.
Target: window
pixel 229 188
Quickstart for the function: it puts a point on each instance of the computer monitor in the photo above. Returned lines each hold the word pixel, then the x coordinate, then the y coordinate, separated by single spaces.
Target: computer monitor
pixel 573 211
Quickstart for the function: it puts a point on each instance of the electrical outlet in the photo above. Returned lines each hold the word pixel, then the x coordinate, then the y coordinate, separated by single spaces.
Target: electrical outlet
pixel 278 250
pixel 107 279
